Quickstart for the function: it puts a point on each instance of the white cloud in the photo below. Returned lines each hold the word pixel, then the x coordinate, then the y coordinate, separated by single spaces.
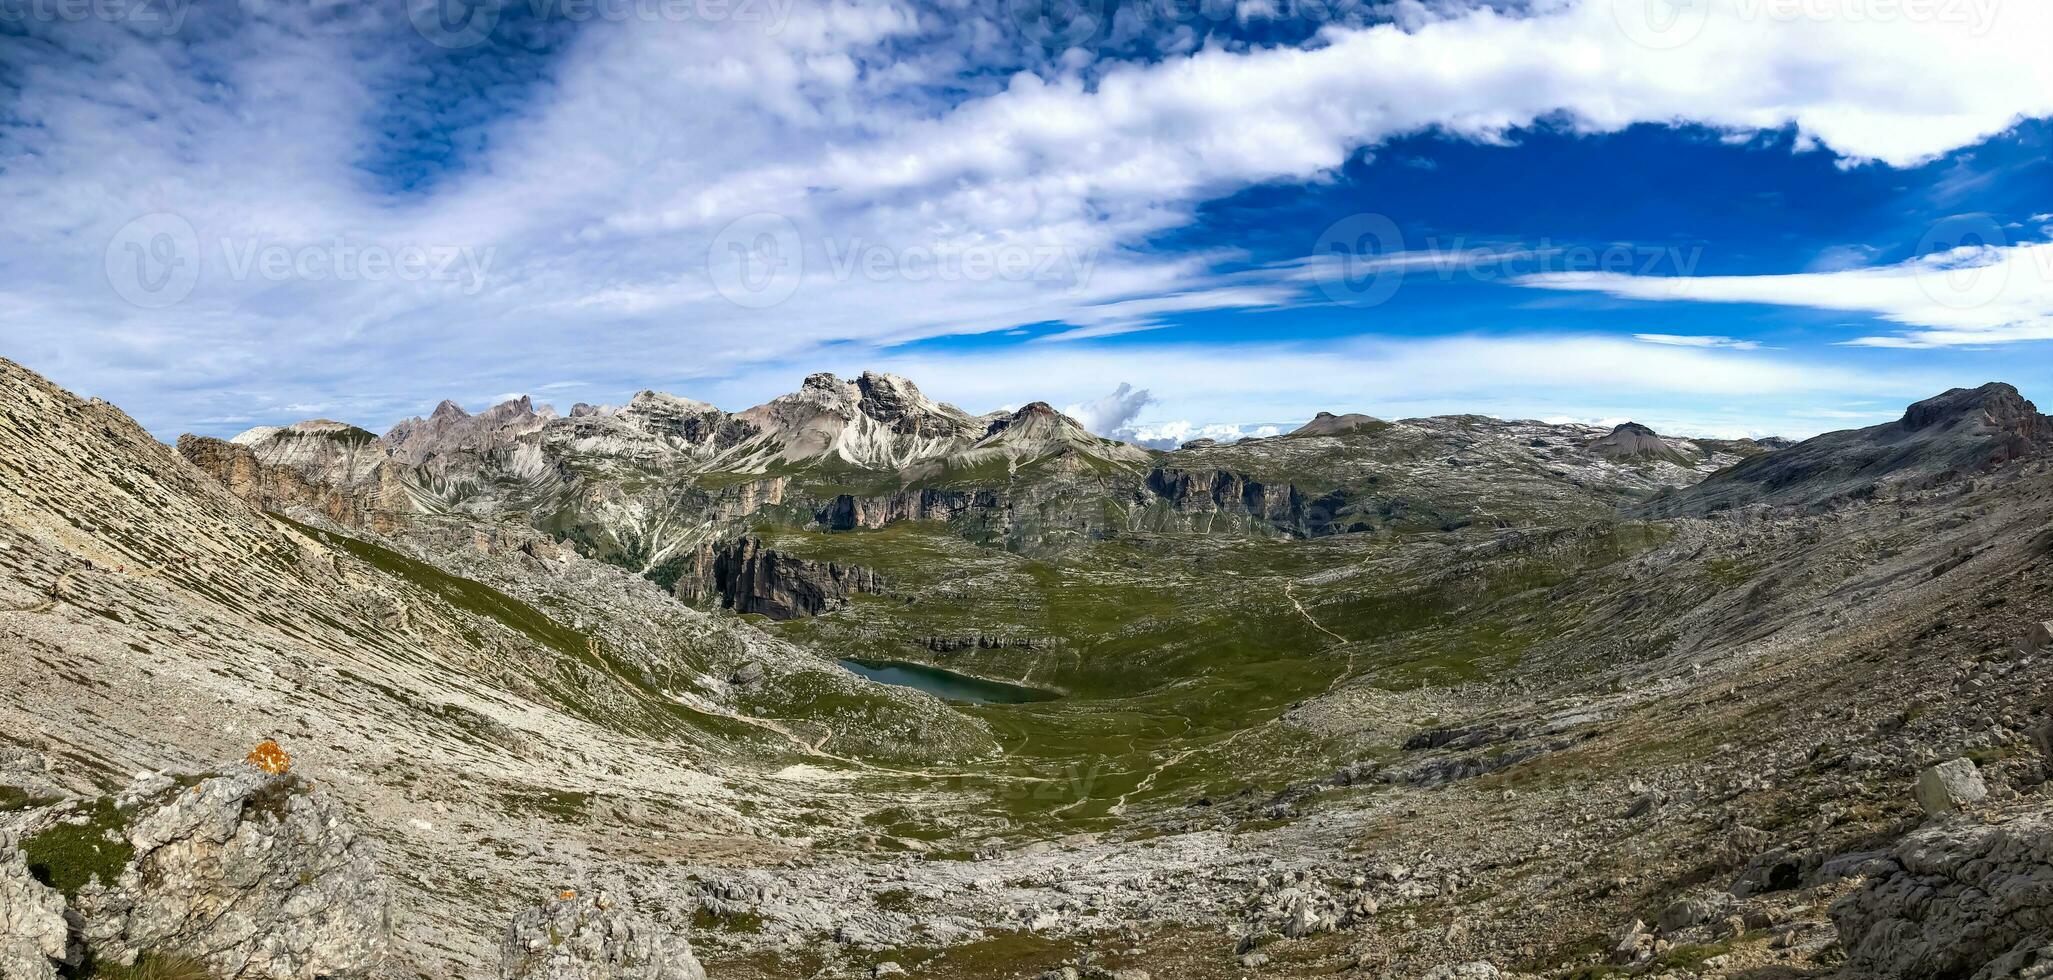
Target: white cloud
pixel 1112 413
pixel 1170 435
pixel 601 192
pixel 1687 340
pixel 1970 295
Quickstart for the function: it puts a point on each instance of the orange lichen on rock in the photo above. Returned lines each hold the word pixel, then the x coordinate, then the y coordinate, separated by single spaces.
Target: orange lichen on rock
pixel 567 895
pixel 270 758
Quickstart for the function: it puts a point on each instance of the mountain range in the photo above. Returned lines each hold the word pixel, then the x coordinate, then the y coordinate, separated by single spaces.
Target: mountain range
pixel 855 683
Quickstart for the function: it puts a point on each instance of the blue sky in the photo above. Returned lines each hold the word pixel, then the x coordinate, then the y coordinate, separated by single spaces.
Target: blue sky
pixel 1760 216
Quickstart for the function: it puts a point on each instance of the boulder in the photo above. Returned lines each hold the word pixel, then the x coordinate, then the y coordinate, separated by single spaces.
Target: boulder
pixel 255 874
pixel 579 936
pixel 1635 944
pixel 1949 785
pixel 32 930
pixel 1953 899
pixel 1695 909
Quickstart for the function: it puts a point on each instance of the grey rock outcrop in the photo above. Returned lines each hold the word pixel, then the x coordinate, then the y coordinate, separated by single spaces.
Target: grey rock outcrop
pixel 1947 786
pixel 1633 441
pixel 32 929
pixel 848 512
pixel 258 876
pixel 1952 899
pixel 1214 500
pixel 349 502
pixel 1329 424
pixel 1695 909
pixel 748 577
pixel 589 937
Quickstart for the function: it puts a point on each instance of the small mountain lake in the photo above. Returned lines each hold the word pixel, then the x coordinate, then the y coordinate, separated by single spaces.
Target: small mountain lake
pixel 945 684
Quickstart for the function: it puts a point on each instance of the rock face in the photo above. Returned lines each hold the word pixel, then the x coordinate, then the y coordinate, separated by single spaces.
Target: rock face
pixel 847 512
pixel 578 937
pixel 257 875
pixel 1952 900
pixel 351 503
pixel 1945 787
pixel 32 930
pixel 748 577
pixel 1220 497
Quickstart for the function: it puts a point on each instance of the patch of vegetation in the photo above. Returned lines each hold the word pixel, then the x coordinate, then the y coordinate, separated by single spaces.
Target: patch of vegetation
pixel 1691 956
pixel 895 900
pixel 562 806
pixel 149 966
pixel 708 919
pixel 66 857
pixel 13 798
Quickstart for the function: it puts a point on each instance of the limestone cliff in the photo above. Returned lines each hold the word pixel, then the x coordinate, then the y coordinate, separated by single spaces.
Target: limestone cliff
pixel 747 577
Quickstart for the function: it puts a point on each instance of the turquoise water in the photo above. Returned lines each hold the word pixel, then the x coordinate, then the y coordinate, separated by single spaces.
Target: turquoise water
pixel 945 684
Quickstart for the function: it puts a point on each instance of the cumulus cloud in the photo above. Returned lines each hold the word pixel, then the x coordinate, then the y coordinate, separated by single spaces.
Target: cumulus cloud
pixel 707 196
pixel 1169 435
pixel 1112 414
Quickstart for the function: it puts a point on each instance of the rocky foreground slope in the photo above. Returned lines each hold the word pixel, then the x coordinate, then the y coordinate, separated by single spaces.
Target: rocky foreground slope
pixel 1453 697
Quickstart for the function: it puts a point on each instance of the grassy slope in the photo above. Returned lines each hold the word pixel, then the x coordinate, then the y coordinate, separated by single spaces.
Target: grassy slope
pixel 1178 652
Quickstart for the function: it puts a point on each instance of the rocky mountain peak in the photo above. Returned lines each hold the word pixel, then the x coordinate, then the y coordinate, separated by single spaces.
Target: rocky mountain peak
pixel 1631 440
pixel 658 403
pixel 1995 404
pixel 1965 430
pixel 450 428
pixel 449 410
pixel 258 434
pixel 889 398
pixel 511 408
pixel 1033 415
pixel 1329 424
